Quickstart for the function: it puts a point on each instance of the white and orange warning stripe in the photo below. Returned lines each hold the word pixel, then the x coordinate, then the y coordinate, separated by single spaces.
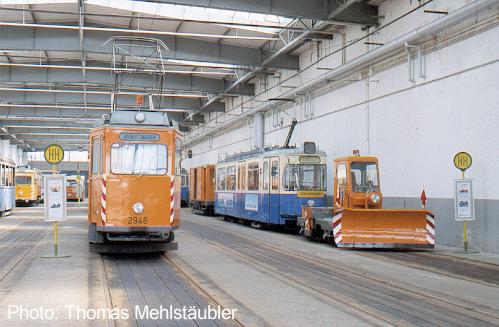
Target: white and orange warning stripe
pixel 430 229
pixel 336 224
pixel 172 198
pixel 103 198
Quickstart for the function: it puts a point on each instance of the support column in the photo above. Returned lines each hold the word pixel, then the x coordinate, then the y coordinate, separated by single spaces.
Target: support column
pixel 259 129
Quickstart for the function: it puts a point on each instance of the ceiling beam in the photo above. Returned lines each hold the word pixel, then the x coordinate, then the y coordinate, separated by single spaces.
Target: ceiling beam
pixel 72 66
pixel 95 75
pixel 62 40
pixel 137 31
pixel 313 9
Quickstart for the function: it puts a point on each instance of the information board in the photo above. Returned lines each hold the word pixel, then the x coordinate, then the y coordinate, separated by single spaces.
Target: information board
pixel 463 199
pixel 55 197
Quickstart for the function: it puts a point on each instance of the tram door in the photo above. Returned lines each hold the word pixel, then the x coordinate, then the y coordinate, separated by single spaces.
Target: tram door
pixel 273 190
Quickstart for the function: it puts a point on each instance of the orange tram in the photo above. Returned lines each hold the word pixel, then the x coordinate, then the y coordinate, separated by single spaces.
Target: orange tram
pixel 202 189
pixel 134 183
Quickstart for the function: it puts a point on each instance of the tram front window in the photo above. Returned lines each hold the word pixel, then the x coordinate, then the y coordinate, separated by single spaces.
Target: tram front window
pixel 139 159
pixel 23 180
pixel 364 177
pixel 304 177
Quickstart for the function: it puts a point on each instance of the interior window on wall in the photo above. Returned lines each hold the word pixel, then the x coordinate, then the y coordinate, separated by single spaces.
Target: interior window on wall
pixel 253 177
pixel 275 175
pixel 221 179
pixel 265 175
pixel 231 178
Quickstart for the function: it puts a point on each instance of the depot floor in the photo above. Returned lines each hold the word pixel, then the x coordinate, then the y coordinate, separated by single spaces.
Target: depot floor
pixel 271 278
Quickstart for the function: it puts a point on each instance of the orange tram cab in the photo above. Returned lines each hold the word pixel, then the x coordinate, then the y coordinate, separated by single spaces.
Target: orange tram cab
pixel 358 220
pixel 202 189
pixel 134 183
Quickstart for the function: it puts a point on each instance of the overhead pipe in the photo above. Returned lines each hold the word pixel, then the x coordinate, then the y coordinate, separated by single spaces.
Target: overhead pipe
pixel 457 16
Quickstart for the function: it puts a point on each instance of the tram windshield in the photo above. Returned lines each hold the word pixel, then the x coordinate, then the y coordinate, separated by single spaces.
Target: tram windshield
pixel 23 179
pixel 364 177
pixel 139 159
pixel 72 183
pixel 304 177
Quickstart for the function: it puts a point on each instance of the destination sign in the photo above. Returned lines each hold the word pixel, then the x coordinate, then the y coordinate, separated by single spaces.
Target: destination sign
pixel 310 194
pixel 310 159
pixel 151 137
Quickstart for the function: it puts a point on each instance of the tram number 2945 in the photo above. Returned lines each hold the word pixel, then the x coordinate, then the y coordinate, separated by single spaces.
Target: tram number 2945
pixel 137 220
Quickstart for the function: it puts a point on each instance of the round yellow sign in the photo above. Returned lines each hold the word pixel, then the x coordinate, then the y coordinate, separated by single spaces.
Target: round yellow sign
pixel 54 154
pixel 462 160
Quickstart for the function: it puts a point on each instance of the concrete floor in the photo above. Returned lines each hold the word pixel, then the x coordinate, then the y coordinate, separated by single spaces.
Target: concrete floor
pixel 271 278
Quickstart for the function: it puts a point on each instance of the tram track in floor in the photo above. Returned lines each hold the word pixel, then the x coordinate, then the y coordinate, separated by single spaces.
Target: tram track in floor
pixel 153 280
pixel 384 298
pixel 198 286
pixel 475 271
pixel 20 244
pixel 469 270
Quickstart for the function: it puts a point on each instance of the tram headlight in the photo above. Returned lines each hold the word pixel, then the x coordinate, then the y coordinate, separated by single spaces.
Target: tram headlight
pixel 374 199
pixel 140 117
pixel 311 203
pixel 138 208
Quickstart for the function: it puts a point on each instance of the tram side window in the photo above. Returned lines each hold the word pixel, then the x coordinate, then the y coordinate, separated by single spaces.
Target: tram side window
pixel 275 175
pixel 178 156
pixel 253 177
pixel 242 177
pixel 341 174
pixel 230 179
pixel 96 155
pixel 221 179
pixel 265 175
pixel 212 175
pixel 2 175
pixel 10 176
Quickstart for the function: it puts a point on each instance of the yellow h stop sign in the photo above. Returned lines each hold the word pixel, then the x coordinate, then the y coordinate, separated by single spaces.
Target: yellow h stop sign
pixel 54 154
pixel 462 161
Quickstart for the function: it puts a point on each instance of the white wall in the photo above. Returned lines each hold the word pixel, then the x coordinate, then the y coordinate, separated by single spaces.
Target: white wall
pixel 414 128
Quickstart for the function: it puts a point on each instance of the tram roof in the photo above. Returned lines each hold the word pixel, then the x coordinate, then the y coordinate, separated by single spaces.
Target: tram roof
pixel 135 118
pixel 269 152
pixel 5 160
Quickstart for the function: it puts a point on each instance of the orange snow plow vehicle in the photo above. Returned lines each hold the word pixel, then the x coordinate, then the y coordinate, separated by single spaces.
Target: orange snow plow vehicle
pixel 357 219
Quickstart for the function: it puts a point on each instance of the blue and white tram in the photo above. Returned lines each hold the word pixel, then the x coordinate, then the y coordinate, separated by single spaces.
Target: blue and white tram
pixel 7 186
pixel 269 186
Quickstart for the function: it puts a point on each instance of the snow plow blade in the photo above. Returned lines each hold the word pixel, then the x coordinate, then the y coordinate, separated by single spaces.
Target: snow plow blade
pixel 375 228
